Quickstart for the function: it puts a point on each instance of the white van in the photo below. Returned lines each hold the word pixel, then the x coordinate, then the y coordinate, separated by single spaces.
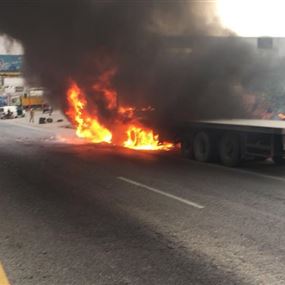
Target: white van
pixel 13 109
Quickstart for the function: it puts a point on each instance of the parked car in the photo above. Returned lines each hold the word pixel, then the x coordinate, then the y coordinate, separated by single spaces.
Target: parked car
pixel 10 112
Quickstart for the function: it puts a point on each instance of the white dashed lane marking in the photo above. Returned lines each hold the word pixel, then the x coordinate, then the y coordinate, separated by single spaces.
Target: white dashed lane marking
pixel 165 194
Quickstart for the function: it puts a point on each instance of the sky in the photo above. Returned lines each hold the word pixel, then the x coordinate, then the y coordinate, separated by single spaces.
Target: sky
pixel 253 18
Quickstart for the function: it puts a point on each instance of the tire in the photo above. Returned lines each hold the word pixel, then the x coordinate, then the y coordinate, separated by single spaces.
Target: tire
pixel 203 147
pixel 186 149
pixel 230 150
pixel 42 120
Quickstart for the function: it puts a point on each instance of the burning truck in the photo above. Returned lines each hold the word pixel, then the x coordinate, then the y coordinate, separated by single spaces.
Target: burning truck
pixel 104 62
pixel 227 141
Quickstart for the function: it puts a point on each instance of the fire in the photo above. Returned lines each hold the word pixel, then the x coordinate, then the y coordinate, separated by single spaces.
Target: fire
pixel 86 126
pixel 143 139
pixel 124 128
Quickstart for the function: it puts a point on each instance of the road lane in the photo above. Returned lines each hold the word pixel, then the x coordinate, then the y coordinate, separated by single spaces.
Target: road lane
pixel 163 193
pixel 235 209
pixel 66 230
pixel 64 210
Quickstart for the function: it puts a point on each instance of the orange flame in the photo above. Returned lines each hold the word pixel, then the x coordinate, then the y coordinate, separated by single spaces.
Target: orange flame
pixel 86 126
pixel 144 139
pixel 126 125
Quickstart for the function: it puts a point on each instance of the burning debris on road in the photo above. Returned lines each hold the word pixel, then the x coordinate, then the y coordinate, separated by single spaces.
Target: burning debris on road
pixel 124 127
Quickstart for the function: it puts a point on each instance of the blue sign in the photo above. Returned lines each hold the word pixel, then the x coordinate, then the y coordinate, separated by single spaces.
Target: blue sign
pixel 11 63
pixel 3 101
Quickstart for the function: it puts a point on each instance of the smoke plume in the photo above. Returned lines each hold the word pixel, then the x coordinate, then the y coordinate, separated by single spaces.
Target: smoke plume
pixel 165 53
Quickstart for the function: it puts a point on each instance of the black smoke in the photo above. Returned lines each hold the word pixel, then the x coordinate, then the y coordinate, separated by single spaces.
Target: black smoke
pixel 166 54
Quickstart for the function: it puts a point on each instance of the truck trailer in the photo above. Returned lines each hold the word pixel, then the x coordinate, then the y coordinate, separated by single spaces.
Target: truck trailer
pixel 232 141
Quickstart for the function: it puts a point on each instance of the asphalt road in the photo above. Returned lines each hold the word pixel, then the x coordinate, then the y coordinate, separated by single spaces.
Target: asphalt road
pixel 85 214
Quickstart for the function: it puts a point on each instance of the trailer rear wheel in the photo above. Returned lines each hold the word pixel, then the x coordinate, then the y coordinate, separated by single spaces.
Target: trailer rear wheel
pixel 229 150
pixel 203 147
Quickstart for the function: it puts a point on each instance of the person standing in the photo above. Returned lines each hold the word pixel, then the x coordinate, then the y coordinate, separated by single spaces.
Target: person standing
pixel 32 115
